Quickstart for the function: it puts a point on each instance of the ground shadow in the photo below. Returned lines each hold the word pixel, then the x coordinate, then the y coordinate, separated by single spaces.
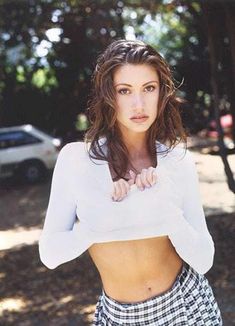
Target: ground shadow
pixel 63 296
pixel 68 294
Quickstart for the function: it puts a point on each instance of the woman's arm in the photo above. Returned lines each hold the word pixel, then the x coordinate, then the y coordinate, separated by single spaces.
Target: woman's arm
pixel 191 237
pixel 58 242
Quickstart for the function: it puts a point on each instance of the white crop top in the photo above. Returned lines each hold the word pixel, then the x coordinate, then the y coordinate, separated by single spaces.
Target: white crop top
pixel 81 211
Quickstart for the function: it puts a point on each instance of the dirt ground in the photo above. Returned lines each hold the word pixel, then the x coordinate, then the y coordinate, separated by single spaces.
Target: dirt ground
pixel 31 294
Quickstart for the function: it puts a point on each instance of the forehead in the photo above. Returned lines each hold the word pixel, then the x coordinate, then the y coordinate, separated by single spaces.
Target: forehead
pixel 132 73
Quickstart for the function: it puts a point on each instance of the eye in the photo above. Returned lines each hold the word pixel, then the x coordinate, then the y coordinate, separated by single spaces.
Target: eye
pixel 123 91
pixel 150 88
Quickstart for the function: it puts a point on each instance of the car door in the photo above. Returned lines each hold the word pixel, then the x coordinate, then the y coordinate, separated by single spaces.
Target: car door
pixel 7 162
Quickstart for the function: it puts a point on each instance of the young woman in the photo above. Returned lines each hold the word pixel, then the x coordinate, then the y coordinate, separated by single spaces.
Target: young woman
pixel 134 190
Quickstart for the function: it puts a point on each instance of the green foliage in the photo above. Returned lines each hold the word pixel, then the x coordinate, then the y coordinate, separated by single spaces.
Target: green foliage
pixel 81 122
pixel 175 29
pixel 44 78
pixel 49 47
pixel 52 46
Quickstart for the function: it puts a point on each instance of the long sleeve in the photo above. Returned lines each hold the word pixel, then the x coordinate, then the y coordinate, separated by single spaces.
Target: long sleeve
pixel 191 237
pixel 60 236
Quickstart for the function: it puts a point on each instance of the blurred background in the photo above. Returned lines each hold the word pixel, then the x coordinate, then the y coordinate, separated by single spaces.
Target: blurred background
pixel 48 51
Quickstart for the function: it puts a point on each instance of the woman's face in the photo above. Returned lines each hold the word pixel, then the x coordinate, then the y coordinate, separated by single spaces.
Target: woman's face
pixel 137 93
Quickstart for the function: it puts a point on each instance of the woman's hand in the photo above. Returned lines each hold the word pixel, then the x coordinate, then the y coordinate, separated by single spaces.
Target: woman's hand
pixel 122 187
pixel 146 178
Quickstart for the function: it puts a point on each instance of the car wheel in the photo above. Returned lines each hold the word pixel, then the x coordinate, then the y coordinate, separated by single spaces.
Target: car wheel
pixel 32 172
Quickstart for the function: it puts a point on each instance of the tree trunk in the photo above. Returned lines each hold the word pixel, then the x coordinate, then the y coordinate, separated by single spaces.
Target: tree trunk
pixel 230 24
pixel 211 21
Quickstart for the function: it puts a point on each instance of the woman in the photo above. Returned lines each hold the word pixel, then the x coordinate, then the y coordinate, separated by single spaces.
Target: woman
pixel 135 193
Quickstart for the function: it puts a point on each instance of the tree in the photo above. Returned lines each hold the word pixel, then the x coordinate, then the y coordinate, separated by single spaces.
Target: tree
pixel 214 13
pixel 83 29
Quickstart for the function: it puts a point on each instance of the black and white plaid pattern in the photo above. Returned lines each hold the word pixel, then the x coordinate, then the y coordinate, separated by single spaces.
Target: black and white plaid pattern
pixel 190 302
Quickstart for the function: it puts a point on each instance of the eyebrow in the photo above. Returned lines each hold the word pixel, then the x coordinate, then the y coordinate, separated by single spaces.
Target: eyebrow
pixel 152 81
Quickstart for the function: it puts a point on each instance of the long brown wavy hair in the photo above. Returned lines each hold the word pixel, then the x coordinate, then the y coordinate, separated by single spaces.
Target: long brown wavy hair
pixel 167 127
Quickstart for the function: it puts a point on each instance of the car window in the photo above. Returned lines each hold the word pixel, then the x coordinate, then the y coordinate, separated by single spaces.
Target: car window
pixel 17 138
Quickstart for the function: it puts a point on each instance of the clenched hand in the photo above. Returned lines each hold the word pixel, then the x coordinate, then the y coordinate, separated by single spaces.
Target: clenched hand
pixel 146 178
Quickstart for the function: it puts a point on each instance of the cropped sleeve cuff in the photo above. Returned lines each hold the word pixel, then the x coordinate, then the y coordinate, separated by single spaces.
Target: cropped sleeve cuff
pixel 196 248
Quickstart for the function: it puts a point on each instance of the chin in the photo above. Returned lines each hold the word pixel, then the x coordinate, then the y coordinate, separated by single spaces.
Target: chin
pixel 138 128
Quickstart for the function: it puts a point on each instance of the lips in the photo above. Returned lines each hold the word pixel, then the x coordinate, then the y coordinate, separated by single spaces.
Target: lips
pixel 140 118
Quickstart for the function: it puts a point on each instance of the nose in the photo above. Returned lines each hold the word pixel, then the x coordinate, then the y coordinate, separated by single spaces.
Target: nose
pixel 138 102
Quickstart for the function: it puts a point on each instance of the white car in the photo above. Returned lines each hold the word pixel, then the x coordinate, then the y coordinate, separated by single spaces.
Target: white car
pixel 27 152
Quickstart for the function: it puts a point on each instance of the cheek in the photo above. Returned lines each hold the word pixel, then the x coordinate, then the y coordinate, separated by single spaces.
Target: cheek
pixel 121 114
pixel 152 102
pixel 122 106
pixel 122 101
pixel 155 98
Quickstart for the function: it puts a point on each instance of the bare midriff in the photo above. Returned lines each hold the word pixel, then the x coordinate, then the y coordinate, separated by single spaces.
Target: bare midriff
pixel 136 270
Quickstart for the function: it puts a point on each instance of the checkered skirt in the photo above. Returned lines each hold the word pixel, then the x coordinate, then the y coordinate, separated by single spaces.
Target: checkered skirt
pixel 190 301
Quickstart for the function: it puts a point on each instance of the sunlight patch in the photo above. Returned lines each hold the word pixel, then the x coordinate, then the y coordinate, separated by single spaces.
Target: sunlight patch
pixel 66 299
pixel 12 304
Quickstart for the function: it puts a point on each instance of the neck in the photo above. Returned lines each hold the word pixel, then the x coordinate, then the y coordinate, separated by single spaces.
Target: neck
pixel 136 145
